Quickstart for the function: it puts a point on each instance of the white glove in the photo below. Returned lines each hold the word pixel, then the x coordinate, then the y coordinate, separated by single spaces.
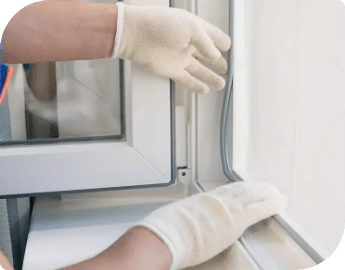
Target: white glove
pixel 200 227
pixel 173 43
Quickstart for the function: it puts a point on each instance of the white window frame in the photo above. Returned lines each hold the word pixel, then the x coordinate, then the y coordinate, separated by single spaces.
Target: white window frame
pixel 296 251
pixel 144 158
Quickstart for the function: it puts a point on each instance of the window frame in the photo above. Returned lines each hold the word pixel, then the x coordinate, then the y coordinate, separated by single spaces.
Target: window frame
pixel 144 157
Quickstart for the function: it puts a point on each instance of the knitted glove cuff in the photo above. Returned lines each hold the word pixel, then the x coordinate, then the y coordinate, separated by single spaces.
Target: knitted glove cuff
pixel 119 31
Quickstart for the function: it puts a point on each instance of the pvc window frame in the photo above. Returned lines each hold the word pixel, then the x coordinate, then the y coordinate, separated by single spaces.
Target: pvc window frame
pixel 287 239
pixel 144 157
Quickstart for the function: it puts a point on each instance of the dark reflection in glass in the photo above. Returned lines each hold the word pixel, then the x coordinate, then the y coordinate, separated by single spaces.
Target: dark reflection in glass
pixel 41 80
pixel 77 100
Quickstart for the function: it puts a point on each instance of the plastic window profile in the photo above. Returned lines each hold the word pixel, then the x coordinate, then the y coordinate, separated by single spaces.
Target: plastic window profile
pixel 227 168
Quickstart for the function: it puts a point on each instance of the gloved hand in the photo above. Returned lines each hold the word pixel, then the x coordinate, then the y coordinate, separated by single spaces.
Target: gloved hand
pixel 199 227
pixel 173 43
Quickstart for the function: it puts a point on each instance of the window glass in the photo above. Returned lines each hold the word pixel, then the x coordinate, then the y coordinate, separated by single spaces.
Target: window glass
pixel 63 100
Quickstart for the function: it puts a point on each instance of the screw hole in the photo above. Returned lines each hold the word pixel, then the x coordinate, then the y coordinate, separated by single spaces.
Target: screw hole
pixel 183 174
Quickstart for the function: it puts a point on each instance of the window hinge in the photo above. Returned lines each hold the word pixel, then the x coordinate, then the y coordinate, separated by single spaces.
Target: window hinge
pixel 184 175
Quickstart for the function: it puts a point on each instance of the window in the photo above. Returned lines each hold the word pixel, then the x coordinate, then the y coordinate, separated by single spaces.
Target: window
pixel 289 110
pixel 87 125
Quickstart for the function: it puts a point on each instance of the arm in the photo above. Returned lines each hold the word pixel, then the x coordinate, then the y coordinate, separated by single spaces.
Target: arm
pixel 137 249
pixel 4 263
pixel 194 230
pixel 168 42
pixel 50 31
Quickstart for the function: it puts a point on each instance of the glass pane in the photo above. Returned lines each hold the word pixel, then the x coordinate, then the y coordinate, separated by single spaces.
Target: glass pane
pixel 62 100
pixel 78 100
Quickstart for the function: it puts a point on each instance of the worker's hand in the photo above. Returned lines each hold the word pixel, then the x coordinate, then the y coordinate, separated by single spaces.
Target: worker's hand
pixel 199 227
pixel 173 43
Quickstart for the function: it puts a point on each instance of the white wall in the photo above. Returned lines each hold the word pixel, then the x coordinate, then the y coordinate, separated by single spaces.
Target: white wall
pixel 289 126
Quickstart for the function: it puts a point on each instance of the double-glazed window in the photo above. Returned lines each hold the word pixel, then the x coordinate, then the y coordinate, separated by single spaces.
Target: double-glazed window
pixel 86 125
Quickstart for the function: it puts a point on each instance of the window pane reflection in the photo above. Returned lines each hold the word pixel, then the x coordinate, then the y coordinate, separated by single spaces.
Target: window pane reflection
pixel 62 100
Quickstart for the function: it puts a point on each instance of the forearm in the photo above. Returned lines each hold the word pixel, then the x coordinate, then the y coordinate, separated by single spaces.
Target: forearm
pixel 137 249
pixel 4 262
pixel 50 31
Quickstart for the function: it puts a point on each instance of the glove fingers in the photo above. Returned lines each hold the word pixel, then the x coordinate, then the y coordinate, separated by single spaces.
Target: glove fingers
pixel 221 40
pixel 272 205
pixel 192 83
pixel 256 196
pixel 246 193
pixel 248 188
pixel 239 189
pixel 204 44
pixel 219 66
pixel 199 71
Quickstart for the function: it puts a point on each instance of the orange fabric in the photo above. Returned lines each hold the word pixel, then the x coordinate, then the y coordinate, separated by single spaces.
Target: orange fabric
pixel 8 77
